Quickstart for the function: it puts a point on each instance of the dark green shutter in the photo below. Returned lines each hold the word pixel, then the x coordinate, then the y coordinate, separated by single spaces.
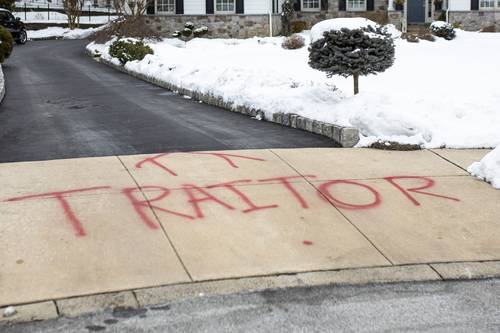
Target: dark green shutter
pixel 370 5
pixel 324 4
pixel 474 5
pixel 209 4
pixel 342 5
pixel 179 6
pixel 240 7
pixel 296 5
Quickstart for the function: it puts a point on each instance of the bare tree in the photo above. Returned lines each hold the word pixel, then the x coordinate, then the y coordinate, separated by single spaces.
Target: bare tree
pixel 73 9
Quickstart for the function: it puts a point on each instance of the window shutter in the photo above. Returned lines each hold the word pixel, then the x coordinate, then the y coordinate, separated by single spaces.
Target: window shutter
pixel 150 9
pixel 209 6
pixel 179 6
pixel 342 5
pixel 474 5
pixel 296 5
pixel 240 7
pixel 324 4
pixel 370 5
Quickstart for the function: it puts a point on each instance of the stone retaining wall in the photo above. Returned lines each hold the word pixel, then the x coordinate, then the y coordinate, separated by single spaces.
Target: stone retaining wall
pixel 220 26
pixel 476 20
pixel 344 136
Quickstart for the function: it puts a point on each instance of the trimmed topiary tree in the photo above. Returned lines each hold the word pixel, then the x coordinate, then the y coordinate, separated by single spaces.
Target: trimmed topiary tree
pixel 353 53
pixel 6 44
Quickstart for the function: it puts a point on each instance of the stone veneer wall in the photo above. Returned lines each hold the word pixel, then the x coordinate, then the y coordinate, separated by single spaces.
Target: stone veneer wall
pixel 220 26
pixel 475 20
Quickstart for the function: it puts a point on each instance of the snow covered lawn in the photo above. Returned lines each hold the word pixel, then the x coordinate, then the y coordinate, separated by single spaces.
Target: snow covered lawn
pixel 437 94
pixel 58 32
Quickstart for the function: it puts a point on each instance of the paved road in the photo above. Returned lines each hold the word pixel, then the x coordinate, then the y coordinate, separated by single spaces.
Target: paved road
pixel 469 306
pixel 62 104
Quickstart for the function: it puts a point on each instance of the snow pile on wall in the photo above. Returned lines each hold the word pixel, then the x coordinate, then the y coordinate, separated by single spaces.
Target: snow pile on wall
pixel 488 168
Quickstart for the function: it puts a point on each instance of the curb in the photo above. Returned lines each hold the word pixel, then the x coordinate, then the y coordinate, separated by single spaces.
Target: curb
pixel 347 137
pixel 2 85
pixel 161 295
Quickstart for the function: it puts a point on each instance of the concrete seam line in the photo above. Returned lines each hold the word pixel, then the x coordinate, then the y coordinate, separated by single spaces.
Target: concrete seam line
pixel 347 137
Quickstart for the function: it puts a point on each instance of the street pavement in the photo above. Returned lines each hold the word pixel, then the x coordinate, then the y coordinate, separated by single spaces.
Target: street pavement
pixel 60 103
pixel 459 306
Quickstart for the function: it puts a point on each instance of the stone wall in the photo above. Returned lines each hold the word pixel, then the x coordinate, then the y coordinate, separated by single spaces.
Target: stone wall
pixel 378 15
pixel 476 20
pixel 220 26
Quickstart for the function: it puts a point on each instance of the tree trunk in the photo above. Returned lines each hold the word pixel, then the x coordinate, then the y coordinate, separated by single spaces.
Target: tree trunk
pixel 356 83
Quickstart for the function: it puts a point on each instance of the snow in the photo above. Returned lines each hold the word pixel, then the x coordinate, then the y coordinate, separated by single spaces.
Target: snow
pixel 437 94
pixel 9 311
pixel 439 24
pixel 339 23
pixel 59 32
pixel 56 17
pixel 488 168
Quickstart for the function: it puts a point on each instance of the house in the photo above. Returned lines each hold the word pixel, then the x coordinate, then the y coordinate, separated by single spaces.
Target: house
pixel 247 18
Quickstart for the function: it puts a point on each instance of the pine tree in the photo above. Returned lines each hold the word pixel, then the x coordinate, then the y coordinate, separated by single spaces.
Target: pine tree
pixel 352 53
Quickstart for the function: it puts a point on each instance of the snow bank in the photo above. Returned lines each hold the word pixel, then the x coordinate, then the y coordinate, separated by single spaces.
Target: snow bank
pixel 437 94
pixel 58 32
pixel 340 23
pixel 488 168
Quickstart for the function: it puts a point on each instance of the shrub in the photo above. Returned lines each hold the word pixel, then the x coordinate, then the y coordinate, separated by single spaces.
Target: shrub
pixel 443 29
pixel 128 27
pixel 6 44
pixel 293 42
pixel 8 4
pixel 488 28
pixel 190 31
pixel 286 17
pixel 298 26
pixel 352 53
pixel 129 50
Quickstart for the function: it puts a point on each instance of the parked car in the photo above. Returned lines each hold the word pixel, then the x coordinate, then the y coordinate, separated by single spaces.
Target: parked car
pixel 14 26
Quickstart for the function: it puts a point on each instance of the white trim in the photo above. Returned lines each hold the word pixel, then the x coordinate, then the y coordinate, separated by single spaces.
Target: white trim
pixel 162 12
pixel 496 6
pixel 302 9
pixel 224 12
pixel 363 9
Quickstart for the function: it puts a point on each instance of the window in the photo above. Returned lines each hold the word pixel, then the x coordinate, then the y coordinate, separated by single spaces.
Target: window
pixel 224 6
pixel 165 6
pixel 489 4
pixel 310 5
pixel 356 5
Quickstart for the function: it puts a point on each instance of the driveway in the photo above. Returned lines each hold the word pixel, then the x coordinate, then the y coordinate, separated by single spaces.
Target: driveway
pixel 62 104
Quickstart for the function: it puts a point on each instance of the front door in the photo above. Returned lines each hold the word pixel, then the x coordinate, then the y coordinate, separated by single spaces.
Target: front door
pixel 416 11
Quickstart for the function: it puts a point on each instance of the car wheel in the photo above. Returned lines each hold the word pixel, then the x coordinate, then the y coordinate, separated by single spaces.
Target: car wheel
pixel 23 37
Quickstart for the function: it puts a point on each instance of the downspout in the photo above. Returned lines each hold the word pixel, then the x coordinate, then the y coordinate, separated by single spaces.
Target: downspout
pixel 271 18
pixel 448 11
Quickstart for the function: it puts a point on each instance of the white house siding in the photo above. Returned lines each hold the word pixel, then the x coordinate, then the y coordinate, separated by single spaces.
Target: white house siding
pixel 256 6
pixel 194 7
pixel 459 4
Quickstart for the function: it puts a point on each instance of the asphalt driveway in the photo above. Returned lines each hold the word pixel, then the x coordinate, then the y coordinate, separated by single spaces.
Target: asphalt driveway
pixel 62 104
